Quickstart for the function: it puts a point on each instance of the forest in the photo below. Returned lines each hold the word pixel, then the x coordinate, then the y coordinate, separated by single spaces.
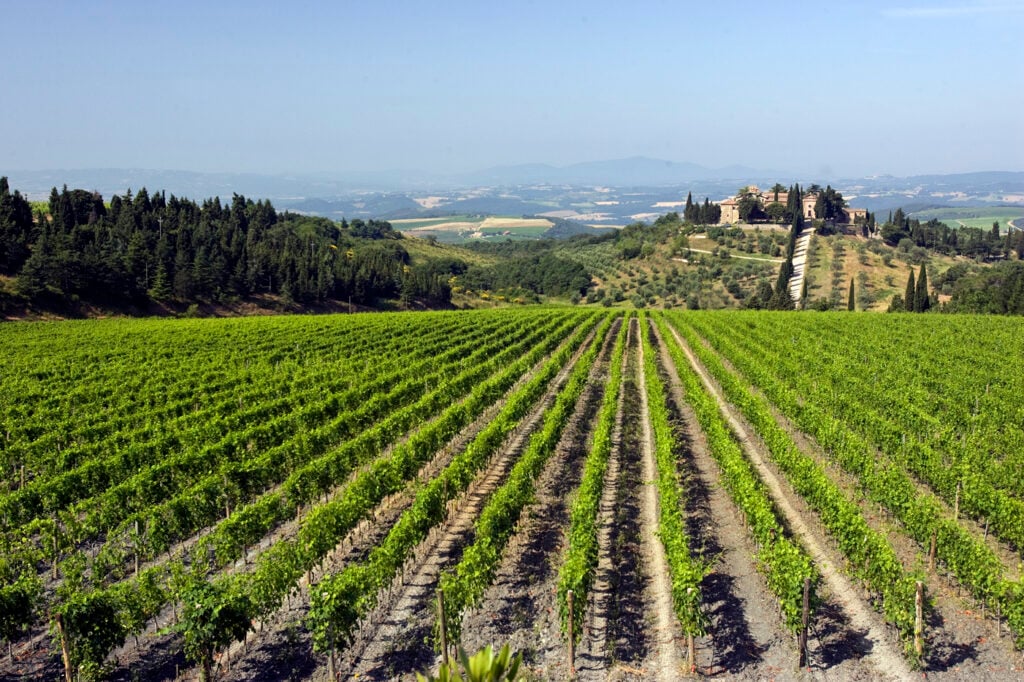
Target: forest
pixel 141 248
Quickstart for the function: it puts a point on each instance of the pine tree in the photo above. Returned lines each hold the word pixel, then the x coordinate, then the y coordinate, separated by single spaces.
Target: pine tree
pixel 161 289
pixel 921 302
pixel 850 302
pixel 910 297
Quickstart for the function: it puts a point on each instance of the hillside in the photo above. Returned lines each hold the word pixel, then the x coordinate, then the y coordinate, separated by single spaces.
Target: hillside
pixel 79 255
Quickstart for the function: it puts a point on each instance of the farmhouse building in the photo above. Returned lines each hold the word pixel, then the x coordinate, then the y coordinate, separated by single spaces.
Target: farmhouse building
pixel 731 212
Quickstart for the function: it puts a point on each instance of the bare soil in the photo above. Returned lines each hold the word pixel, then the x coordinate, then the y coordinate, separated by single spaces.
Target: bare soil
pixel 592 657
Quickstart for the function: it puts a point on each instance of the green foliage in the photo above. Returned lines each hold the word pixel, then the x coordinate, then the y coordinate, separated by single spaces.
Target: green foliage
pixel 910 296
pixel 484 666
pixel 464 586
pixel 212 617
pixel 998 290
pixel 18 602
pixel 92 627
pixel 542 274
pixel 174 250
pixel 921 302
pixel 580 562
pixel 686 572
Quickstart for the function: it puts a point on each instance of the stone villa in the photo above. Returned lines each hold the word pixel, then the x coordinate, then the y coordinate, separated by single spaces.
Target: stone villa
pixel 730 207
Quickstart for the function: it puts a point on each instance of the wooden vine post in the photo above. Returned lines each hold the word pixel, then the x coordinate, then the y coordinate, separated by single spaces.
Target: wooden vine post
pixel 572 635
pixel 804 623
pixel 332 670
pixel 64 654
pixel 919 620
pixel 956 501
pixel 691 649
pixel 444 626
pixel 931 550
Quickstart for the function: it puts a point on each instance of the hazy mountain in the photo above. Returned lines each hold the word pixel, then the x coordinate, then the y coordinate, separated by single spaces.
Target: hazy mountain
pixel 632 172
pixel 636 171
pixel 641 187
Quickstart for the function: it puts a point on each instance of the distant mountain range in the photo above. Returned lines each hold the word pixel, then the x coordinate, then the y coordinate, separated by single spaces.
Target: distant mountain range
pixel 613 191
pixel 636 172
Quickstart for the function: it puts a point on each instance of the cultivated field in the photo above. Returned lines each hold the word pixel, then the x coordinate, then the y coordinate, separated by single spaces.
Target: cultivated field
pixel 979 217
pixel 458 229
pixel 721 494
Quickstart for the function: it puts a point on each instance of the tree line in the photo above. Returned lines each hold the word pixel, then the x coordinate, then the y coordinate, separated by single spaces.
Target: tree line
pixel 701 214
pixel 142 248
pixel 959 241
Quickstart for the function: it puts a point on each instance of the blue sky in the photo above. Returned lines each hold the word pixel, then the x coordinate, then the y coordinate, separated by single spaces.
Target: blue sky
pixel 901 87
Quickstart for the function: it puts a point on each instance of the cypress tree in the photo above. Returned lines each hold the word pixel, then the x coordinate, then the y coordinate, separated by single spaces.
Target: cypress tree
pixel 910 296
pixel 921 302
pixel 850 303
pixel 688 212
pixel 803 294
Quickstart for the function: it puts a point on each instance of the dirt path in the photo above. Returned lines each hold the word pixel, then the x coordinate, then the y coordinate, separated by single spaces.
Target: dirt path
pixel 520 607
pixel 394 643
pixel 881 649
pixel 733 255
pixel 666 631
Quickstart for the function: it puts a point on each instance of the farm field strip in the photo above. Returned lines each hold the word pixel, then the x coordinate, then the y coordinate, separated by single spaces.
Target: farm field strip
pixel 837 515
pixel 344 355
pixel 76 441
pixel 92 378
pixel 958 451
pixel 47 495
pixel 1006 515
pixel 313 475
pixel 978 435
pixel 966 556
pixel 465 585
pixel 540 334
pixel 595 619
pixel 393 475
pixel 281 566
pixel 579 564
pixel 674 576
pixel 785 563
pixel 171 521
pixel 279 570
pixel 411 554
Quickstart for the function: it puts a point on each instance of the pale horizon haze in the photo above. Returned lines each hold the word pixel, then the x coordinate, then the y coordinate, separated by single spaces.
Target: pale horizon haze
pixel 854 88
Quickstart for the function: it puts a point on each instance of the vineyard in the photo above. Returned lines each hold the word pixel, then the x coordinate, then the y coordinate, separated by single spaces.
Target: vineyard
pixel 617 496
